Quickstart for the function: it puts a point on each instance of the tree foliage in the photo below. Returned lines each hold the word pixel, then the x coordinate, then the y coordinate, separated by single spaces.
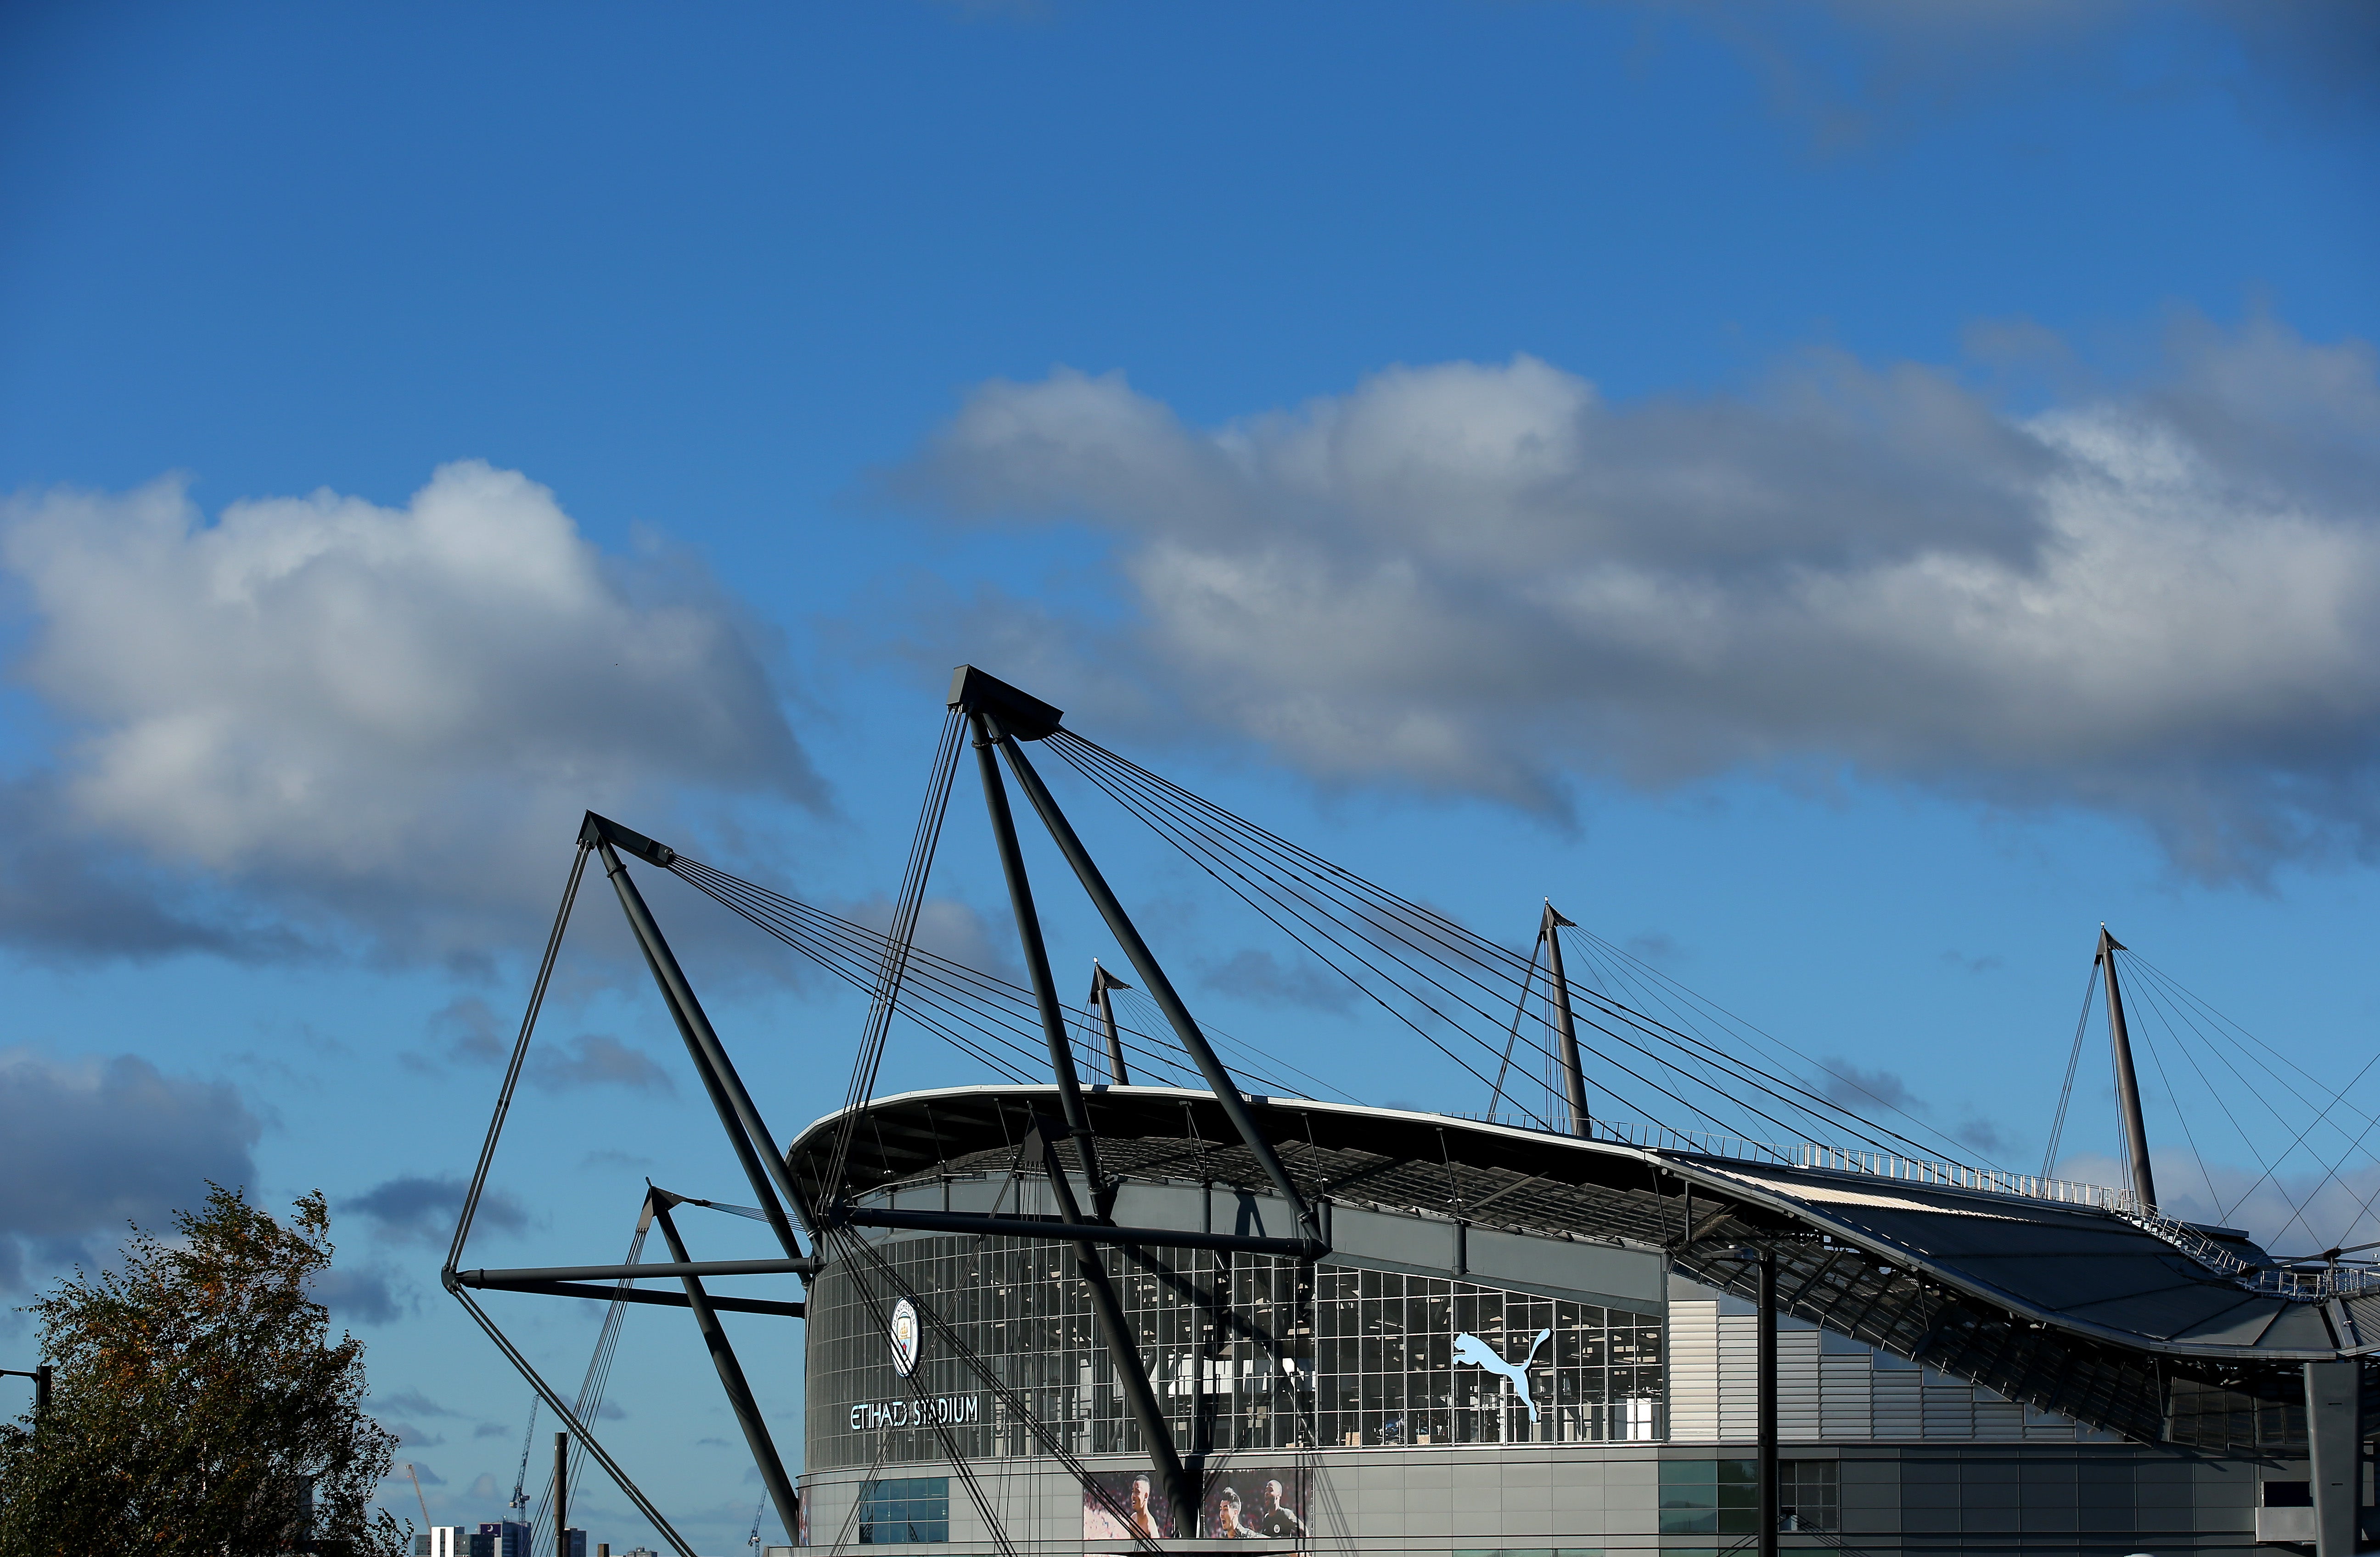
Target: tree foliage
pixel 201 1403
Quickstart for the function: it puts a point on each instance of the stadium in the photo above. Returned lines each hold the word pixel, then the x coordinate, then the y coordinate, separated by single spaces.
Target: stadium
pixel 1053 1313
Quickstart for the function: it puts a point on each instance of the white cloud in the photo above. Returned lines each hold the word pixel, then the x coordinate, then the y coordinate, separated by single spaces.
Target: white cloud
pixel 395 714
pixel 90 1145
pixel 2162 600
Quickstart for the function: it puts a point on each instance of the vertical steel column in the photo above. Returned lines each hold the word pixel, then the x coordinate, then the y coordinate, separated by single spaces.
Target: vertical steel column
pixel 1175 1483
pixel 1769 1514
pixel 2335 1453
pixel 746 1132
pixel 730 1378
pixel 1159 988
pixel 561 1494
pixel 1037 957
pixel 2127 1084
pixel 1573 1074
pixel 1101 982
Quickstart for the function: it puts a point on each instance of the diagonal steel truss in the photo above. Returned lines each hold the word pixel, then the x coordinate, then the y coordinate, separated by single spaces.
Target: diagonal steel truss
pixel 999 716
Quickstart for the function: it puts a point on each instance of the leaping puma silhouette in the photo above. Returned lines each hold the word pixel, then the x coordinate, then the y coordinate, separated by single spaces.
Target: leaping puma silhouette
pixel 1471 1348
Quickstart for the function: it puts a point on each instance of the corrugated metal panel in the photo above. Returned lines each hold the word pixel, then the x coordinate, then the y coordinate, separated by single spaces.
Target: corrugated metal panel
pixel 1844 1394
pixel 1798 1413
pixel 1739 1378
pixel 1998 1418
pixel 1900 1402
pixel 1949 1406
pixel 1694 1370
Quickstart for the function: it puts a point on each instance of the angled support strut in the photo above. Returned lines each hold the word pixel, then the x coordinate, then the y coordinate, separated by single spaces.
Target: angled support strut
pixel 1036 960
pixel 755 1147
pixel 731 1376
pixel 1175 1483
pixel 1161 988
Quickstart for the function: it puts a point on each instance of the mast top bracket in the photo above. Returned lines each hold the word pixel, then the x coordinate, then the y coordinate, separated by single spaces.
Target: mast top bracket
pixel 1021 714
pixel 603 829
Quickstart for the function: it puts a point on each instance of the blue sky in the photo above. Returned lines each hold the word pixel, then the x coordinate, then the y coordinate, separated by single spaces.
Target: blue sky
pixel 1843 499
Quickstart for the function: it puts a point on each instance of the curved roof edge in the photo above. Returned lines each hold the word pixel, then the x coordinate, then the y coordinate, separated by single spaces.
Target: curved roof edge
pixel 2080 1269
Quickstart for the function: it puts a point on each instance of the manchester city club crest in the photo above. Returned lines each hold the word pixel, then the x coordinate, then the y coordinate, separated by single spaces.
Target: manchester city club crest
pixel 903 1334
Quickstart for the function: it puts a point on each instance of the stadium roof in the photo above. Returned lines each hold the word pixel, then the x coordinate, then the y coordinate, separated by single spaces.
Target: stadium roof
pixel 2070 1308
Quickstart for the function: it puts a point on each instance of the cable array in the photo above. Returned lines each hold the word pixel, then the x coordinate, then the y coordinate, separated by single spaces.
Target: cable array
pixel 1456 990
pixel 2217 1074
pixel 985 1017
pixel 590 1391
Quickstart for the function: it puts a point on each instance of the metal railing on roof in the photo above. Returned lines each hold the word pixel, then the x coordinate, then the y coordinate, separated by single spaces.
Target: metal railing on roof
pixel 2298 1285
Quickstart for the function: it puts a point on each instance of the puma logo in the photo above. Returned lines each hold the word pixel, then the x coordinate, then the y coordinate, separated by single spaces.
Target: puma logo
pixel 1471 1348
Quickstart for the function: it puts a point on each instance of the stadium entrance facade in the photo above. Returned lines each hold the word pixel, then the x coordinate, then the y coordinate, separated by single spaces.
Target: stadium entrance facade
pixel 1525 1342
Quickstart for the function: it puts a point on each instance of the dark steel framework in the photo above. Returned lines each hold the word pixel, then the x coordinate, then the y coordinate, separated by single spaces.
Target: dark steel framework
pixel 998 717
pixel 1700 1217
pixel 764 1167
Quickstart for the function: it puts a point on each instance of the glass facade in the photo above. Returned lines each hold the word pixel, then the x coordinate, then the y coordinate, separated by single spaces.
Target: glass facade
pixel 1394 1366
pixel 1246 1351
pixel 908 1508
pixel 1722 1497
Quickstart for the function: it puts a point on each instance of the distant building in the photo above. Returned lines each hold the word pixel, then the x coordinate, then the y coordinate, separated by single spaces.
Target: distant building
pixel 500 1539
pixel 575 1541
pixel 443 1540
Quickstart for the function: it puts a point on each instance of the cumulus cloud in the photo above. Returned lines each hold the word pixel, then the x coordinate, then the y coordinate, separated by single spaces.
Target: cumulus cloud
pixel 471 1029
pixel 1252 973
pixel 1864 1091
pixel 422 1210
pixel 950 929
pixel 391 714
pixel 594 1059
pixel 1854 71
pixel 2161 599
pixel 367 1292
pixel 90 1145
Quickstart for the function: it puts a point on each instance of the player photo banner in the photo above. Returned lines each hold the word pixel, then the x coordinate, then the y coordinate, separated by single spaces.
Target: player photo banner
pixel 1120 1504
pixel 1253 1503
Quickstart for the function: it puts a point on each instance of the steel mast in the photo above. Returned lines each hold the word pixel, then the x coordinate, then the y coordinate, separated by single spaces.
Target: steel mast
pixel 1101 982
pixel 2128 1083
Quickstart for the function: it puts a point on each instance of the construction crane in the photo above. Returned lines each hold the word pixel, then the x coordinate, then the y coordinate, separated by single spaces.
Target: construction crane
pixel 416 1493
pixel 520 1496
pixel 754 1539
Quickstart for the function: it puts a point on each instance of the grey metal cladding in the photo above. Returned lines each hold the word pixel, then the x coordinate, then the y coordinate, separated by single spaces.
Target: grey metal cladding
pixel 1408 1242
pixel 1252 1215
pixel 2298 1327
pixel 1163 1205
pixel 1633 1276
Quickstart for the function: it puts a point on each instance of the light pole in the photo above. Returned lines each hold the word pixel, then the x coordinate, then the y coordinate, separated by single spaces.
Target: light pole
pixel 41 1376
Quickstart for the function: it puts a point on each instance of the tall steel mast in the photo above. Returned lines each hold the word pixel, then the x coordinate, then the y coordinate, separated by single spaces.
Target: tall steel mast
pixel 2128 1083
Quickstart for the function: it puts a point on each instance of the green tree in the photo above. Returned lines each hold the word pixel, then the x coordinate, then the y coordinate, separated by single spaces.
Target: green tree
pixel 201 1406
